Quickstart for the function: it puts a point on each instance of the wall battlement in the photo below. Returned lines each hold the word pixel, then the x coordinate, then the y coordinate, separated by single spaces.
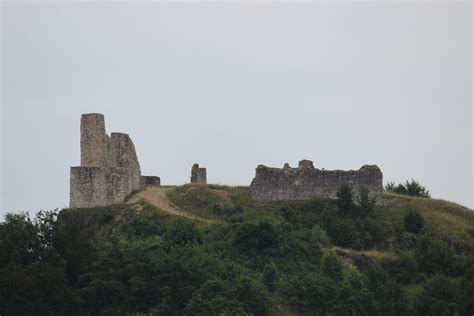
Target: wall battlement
pixel 306 181
pixel 109 168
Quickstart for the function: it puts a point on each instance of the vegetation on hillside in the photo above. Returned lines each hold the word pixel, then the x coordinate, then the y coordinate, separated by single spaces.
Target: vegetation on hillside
pixel 411 188
pixel 409 256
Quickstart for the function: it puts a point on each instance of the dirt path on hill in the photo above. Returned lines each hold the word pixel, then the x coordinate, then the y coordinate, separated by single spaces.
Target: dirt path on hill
pixel 156 196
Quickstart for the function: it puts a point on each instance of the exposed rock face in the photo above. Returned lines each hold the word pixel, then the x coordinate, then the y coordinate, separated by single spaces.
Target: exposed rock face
pixel 198 175
pixel 305 182
pixel 109 168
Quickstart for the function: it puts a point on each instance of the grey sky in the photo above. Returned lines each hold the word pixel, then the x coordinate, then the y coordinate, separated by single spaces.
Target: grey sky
pixel 235 85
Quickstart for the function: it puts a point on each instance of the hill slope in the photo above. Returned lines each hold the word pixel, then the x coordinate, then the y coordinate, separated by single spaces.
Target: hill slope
pixel 443 219
pixel 208 250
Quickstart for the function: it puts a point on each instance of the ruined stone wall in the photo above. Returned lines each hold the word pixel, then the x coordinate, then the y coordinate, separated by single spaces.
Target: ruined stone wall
pixel 125 157
pixel 96 186
pixel 150 180
pixel 198 175
pixel 109 168
pixel 306 181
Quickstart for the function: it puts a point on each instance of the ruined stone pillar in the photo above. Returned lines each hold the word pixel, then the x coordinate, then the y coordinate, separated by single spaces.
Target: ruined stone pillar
pixel 198 175
pixel 95 143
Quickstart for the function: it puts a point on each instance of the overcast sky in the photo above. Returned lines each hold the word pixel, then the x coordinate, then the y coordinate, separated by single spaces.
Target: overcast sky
pixel 234 85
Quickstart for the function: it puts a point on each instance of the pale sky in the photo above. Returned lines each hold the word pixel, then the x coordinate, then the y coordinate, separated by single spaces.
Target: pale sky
pixel 234 85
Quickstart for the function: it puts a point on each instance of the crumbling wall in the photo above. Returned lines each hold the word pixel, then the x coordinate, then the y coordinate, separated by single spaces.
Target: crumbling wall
pixel 109 168
pixel 96 186
pixel 96 147
pixel 150 180
pixel 198 175
pixel 306 181
pixel 125 158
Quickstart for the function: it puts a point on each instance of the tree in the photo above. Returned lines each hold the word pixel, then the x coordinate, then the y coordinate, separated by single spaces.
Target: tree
pixel 36 289
pixel 412 188
pixel 366 202
pixel 181 232
pixel 331 265
pixel 439 296
pixel 270 276
pixel 413 221
pixel 434 255
pixel 390 186
pixel 19 243
pixel 256 236
pixel 415 189
pixel 310 294
pixel 345 198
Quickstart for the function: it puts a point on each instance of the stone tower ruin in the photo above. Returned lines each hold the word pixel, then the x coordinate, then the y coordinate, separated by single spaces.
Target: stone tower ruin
pixel 306 182
pixel 198 175
pixel 109 168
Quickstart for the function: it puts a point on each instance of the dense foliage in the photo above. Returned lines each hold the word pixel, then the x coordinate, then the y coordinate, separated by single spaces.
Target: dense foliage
pixel 411 188
pixel 307 257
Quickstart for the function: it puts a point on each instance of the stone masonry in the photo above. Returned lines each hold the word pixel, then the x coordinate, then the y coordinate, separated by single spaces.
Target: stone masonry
pixel 198 175
pixel 109 168
pixel 306 181
pixel 150 180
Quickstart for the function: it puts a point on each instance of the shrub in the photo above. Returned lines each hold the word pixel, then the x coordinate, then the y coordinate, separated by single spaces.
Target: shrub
pixel 413 221
pixel 411 188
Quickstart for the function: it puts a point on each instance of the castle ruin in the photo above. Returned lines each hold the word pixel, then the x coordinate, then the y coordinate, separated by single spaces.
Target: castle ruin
pixel 306 182
pixel 198 175
pixel 109 169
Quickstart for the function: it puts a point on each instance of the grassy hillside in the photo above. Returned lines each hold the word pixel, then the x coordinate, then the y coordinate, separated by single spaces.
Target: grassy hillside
pixel 213 250
pixel 446 220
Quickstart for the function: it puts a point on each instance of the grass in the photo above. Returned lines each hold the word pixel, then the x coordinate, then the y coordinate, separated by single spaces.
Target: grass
pixel 446 220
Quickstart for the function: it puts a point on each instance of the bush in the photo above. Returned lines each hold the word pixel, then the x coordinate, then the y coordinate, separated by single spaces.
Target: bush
pixel 413 221
pixel 411 188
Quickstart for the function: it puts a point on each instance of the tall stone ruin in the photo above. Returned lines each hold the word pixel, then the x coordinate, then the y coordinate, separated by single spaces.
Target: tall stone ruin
pixel 198 175
pixel 306 182
pixel 109 168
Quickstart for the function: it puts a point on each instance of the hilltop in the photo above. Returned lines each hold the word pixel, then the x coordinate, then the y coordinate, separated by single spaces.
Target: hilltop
pixel 204 249
pixel 218 203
